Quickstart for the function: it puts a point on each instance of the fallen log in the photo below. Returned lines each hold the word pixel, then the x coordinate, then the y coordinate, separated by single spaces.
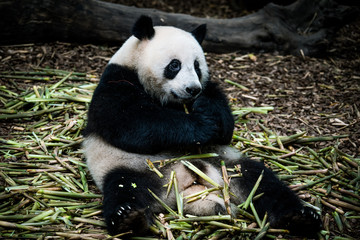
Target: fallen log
pixel 305 26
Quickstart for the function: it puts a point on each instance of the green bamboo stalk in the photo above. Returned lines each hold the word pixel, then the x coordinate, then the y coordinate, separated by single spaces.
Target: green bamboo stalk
pixel 245 111
pixel 267 130
pixel 262 232
pixel 40 216
pixel 225 190
pixel 18 226
pixel 64 164
pixel 342 204
pixel 269 148
pixel 246 214
pixel 323 162
pixel 153 168
pixel 171 181
pixel 179 198
pixel 172 212
pixel 7 179
pixel 253 210
pixel 236 85
pixel 252 193
pixel 292 138
pixel 19 217
pixel 338 221
pixel 200 173
pixel 69 194
pixel 320 139
pixel 56 85
pixel 200 194
pixel 313 183
pixel 224 226
pixel 188 157
pixel 83 179
pixel 332 206
pixel 62 183
pixel 205 218
pixel 26 77
pixel 90 221
pixel 282 166
pixel 32 114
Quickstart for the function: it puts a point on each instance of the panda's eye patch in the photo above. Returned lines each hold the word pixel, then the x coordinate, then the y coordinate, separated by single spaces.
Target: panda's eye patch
pixel 197 68
pixel 196 64
pixel 175 65
pixel 172 69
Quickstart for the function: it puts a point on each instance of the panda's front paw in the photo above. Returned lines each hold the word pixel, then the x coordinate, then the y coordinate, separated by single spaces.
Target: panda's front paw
pixel 125 218
pixel 305 222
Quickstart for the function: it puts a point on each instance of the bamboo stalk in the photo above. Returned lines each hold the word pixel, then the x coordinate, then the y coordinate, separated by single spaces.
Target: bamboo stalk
pixel 31 114
pixel 69 194
pixel 252 193
pixel 179 198
pixel 90 221
pixel 342 204
pixel 237 85
pixel 18 226
pixel 226 187
pixel 200 173
pixel 313 183
pixel 332 207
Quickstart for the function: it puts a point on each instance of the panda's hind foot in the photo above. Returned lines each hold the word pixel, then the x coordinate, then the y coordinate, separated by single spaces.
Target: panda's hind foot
pixel 305 222
pixel 127 218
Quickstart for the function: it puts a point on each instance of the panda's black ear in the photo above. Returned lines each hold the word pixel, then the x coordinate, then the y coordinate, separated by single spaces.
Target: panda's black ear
pixel 199 33
pixel 143 28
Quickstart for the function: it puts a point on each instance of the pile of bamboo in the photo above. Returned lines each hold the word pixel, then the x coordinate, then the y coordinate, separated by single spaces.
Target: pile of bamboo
pixel 46 191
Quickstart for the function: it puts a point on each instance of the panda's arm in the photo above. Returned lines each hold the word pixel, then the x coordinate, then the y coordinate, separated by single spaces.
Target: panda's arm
pixel 126 117
pixel 213 102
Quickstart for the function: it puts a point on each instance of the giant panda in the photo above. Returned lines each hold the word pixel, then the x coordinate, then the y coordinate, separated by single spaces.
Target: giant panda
pixel 137 114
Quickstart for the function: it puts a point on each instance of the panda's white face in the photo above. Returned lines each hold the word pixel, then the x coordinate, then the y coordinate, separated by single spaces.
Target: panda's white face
pixel 171 65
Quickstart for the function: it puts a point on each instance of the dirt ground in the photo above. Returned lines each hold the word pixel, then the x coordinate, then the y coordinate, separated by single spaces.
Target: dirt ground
pixel 318 95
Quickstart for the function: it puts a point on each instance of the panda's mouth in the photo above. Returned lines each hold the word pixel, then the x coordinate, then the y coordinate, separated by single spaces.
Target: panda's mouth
pixel 183 98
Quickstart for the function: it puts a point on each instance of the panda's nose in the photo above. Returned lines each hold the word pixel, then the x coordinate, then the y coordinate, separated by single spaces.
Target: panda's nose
pixel 193 91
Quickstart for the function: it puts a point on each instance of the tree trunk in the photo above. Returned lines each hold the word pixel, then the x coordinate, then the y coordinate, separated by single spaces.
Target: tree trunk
pixel 305 26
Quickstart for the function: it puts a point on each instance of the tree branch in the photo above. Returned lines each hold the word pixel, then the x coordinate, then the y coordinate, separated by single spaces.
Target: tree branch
pixel 306 25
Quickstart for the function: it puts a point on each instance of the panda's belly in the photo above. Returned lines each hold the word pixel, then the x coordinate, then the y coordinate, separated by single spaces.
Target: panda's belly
pixel 101 158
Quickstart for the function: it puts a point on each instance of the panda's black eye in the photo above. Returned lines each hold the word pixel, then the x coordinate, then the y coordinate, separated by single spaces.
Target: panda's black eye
pixel 197 68
pixel 175 65
pixel 196 64
pixel 172 69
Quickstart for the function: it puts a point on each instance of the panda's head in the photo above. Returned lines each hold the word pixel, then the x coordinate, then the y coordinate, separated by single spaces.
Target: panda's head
pixel 170 62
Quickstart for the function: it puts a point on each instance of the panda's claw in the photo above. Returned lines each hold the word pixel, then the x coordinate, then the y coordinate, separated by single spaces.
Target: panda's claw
pixel 305 220
pixel 127 217
pixel 119 213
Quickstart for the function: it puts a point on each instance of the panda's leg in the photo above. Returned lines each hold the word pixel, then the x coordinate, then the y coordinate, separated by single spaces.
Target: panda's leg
pixel 284 208
pixel 128 204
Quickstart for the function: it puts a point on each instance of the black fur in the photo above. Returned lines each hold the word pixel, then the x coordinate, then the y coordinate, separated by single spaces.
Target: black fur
pixel 197 69
pixel 143 28
pixel 172 69
pixel 282 205
pixel 199 33
pixel 124 115
pixel 128 205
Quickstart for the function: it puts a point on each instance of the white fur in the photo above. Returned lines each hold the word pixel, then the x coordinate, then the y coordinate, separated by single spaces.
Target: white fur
pixel 150 57
pixel 102 157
